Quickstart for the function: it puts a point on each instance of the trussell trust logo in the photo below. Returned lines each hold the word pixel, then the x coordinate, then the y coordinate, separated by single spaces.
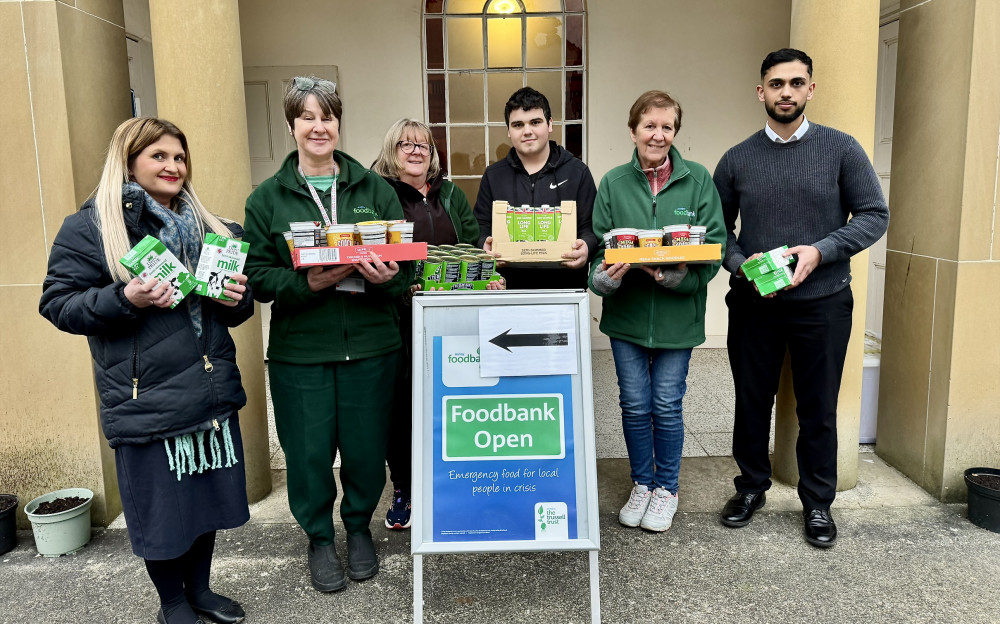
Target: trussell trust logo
pixel 460 363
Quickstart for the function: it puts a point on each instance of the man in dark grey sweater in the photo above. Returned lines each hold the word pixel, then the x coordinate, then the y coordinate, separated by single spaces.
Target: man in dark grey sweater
pixel 793 183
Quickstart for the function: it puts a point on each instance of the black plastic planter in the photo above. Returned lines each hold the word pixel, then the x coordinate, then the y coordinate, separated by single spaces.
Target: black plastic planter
pixel 984 502
pixel 8 522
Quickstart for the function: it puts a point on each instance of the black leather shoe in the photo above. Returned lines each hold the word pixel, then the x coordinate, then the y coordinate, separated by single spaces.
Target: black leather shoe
pixel 231 613
pixel 361 560
pixel 162 619
pixel 325 568
pixel 739 509
pixel 821 531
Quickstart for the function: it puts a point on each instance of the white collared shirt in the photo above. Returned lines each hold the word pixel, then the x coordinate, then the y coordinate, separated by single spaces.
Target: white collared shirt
pixel 771 134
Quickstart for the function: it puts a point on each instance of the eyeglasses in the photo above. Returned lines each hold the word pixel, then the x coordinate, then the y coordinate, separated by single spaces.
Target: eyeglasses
pixel 304 83
pixel 409 147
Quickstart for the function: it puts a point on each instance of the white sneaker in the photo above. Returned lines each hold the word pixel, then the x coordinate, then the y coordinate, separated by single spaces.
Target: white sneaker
pixel 660 513
pixel 634 510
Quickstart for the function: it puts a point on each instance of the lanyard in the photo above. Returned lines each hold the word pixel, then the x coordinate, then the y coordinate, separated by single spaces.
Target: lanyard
pixel 330 219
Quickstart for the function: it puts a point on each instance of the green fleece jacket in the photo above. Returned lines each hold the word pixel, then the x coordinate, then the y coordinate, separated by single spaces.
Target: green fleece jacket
pixel 330 325
pixel 641 311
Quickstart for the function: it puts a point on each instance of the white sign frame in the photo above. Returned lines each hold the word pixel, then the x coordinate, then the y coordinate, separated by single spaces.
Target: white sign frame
pixel 579 407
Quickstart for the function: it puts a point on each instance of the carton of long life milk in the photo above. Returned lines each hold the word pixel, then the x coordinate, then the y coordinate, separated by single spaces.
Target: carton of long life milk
pixel 151 259
pixel 220 258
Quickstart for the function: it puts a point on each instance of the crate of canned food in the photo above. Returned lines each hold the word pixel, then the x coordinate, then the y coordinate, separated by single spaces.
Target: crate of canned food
pixel 311 243
pixel 456 267
pixel 668 245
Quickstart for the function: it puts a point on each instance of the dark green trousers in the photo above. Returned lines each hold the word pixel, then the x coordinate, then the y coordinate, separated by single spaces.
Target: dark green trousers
pixel 318 409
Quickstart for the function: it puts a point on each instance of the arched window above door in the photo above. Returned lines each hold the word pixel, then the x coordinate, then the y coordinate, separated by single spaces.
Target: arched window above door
pixel 478 52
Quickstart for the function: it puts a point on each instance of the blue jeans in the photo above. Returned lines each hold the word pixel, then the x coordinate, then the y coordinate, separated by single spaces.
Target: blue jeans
pixel 652 384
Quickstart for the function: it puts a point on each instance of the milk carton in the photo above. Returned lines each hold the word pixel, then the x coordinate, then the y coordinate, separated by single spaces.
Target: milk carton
pixel 220 258
pixel 151 259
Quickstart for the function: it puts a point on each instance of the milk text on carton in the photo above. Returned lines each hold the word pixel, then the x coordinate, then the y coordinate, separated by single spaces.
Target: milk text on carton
pixel 150 259
pixel 221 256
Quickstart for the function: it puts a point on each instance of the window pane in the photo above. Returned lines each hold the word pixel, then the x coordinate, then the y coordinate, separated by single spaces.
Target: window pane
pixel 574 140
pixel 557 134
pixel 543 6
pixel 441 143
pixel 465 6
pixel 433 6
pixel 465 98
pixel 503 36
pixel 574 95
pixel 435 98
pixel 465 43
pixel 468 155
pixel 435 44
pixel 499 143
pixel 470 187
pixel 501 87
pixel 503 7
pixel 574 40
pixel 544 42
pixel 550 85
pixel 574 5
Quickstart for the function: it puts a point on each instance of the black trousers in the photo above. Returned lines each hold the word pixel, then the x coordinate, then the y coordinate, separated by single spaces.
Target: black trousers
pixel 400 451
pixel 815 334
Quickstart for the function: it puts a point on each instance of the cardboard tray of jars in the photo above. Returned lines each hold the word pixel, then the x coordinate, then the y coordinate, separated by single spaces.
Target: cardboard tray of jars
pixel 351 254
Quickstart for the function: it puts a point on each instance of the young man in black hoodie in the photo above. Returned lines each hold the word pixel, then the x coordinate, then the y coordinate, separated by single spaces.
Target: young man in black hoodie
pixel 535 172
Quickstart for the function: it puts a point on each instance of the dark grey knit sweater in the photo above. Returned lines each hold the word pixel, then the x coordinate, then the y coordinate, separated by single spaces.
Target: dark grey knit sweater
pixel 801 193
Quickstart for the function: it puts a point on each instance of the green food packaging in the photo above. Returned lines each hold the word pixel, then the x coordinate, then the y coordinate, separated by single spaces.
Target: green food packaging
pixel 150 259
pixel 771 260
pixel 433 269
pixel 774 281
pixel 469 268
pixel 452 266
pixel 221 256
pixel 545 224
pixel 524 225
pixel 487 265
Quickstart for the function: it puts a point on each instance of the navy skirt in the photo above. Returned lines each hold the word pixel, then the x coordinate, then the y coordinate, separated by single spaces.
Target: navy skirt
pixel 164 515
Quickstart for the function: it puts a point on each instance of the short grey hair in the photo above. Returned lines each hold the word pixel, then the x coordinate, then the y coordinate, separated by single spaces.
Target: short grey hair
pixel 301 87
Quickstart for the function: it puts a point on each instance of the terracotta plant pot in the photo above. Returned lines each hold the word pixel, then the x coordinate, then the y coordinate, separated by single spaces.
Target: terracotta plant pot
pixel 984 501
pixel 8 522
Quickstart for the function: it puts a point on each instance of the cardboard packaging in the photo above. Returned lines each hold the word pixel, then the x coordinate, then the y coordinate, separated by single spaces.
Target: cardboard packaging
pixel 221 256
pixel 770 261
pixel 150 259
pixel 540 253
pixel 692 254
pixel 351 254
pixel 774 281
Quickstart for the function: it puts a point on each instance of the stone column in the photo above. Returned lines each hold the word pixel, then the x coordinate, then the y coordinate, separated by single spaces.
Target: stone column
pixel 842 39
pixel 199 86
pixel 939 395
pixel 65 89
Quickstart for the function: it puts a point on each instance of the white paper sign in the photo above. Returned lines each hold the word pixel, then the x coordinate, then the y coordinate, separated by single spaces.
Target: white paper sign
pixel 517 341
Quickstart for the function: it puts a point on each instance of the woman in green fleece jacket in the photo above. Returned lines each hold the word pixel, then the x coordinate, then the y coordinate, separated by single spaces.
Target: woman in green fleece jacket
pixel 654 315
pixel 334 340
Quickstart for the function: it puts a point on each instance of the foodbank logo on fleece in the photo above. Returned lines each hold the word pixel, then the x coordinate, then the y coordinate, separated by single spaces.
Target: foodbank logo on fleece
pixel 460 363
pixel 683 212
pixel 365 210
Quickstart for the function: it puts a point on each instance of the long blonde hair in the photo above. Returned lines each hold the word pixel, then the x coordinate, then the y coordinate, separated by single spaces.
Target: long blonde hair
pixel 128 141
pixel 387 164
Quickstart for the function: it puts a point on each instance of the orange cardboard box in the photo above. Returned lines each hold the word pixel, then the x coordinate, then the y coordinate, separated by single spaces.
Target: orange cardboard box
pixel 692 254
pixel 350 254
pixel 542 253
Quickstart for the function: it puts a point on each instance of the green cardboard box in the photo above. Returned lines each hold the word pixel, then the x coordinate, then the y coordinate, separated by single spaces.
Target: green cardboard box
pixel 770 261
pixel 774 281
pixel 151 259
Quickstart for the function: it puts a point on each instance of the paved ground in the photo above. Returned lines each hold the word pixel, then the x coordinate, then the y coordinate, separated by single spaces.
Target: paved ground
pixel 902 557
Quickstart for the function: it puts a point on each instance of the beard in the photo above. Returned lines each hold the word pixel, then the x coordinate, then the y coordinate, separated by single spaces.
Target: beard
pixel 782 117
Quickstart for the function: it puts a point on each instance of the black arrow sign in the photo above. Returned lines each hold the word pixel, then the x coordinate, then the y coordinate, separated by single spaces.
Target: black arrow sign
pixel 506 340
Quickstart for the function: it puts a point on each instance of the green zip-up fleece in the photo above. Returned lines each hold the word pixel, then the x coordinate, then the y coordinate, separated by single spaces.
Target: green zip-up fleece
pixel 641 311
pixel 330 325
